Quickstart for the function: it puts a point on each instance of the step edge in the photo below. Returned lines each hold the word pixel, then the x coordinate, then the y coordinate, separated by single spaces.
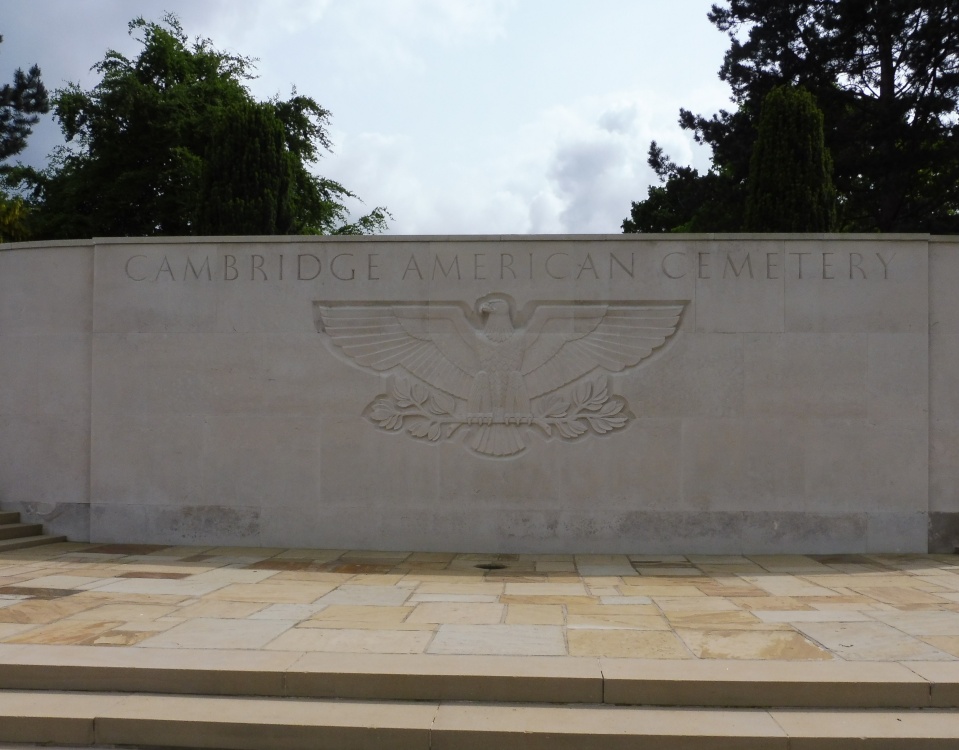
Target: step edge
pixel 123 716
pixel 15 543
pixel 42 674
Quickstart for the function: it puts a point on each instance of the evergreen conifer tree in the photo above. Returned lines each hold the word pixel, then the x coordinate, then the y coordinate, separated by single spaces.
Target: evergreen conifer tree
pixel 790 185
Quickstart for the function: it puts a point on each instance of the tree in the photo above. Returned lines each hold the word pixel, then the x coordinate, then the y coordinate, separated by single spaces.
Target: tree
pixel 886 75
pixel 247 175
pixel 790 184
pixel 21 104
pixel 686 201
pixel 165 133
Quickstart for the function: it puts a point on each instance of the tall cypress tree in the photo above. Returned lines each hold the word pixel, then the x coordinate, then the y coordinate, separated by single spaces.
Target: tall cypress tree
pixel 790 182
pixel 885 74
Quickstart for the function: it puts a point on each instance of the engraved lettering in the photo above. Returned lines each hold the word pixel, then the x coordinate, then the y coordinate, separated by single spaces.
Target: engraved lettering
pixel 549 260
pixel 479 266
pixel 126 268
pixel 300 274
pixel 412 265
pixel 455 263
pixel 632 264
pixel 352 270
pixel 800 261
pixel 855 264
pixel 229 264
pixel 371 266
pixel 746 264
pixel 826 266
pixel 504 266
pixel 196 271
pixel 588 263
pixel 885 264
pixel 256 264
pixel 666 267
pixel 770 266
pixel 703 266
pixel 165 268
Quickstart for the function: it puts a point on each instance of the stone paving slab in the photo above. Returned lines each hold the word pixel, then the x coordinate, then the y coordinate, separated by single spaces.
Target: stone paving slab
pixel 794 608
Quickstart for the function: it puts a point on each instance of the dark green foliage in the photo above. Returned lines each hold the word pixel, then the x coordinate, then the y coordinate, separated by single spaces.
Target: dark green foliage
pixel 790 184
pixel 686 201
pixel 885 74
pixel 173 128
pixel 21 104
pixel 247 175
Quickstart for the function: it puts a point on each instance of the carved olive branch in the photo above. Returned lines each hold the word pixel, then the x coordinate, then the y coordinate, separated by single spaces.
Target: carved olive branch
pixel 587 407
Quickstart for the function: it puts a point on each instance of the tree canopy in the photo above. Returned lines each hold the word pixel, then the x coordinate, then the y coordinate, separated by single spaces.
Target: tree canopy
pixel 172 142
pixel 21 104
pixel 885 74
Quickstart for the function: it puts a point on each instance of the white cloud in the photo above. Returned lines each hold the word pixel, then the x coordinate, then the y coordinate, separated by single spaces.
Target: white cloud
pixel 479 116
pixel 571 169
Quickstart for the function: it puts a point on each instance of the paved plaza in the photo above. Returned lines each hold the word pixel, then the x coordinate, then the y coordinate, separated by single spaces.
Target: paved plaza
pixel 901 608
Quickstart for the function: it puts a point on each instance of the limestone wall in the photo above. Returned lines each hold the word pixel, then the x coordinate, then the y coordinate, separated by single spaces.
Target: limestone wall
pixel 944 393
pixel 46 323
pixel 712 394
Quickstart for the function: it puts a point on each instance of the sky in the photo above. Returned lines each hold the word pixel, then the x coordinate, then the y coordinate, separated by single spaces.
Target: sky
pixel 458 116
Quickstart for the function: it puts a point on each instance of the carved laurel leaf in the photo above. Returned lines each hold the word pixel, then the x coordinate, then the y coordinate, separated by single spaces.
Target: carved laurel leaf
pixel 441 403
pixel 429 430
pixel 572 428
pixel 385 414
pixel 401 392
pixel 602 425
pixel 392 423
pixel 582 394
pixel 555 406
pixel 600 390
pixel 611 407
pixel 419 429
pixel 595 395
pixel 419 393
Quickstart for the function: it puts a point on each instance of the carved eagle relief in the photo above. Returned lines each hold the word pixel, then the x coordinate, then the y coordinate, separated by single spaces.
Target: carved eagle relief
pixel 506 366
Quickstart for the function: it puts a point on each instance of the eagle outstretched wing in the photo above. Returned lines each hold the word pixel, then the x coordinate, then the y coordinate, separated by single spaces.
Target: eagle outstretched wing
pixel 436 343
pixel 568 341
pixel 440 343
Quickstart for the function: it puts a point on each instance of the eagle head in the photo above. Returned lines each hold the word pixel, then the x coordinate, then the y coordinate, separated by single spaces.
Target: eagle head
pixel 496 307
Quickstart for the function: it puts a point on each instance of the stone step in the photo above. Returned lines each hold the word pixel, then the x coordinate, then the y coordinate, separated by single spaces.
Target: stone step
pixel 9 516
pixel 269 723
pixel 8 545
pixel 542 680
pixel 18 530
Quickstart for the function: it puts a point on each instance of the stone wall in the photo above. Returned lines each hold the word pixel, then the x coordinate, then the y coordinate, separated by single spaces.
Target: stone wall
pixel 710 394
pixel 943 406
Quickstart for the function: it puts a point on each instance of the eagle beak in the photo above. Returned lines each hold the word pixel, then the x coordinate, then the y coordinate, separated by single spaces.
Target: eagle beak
pixel 485 308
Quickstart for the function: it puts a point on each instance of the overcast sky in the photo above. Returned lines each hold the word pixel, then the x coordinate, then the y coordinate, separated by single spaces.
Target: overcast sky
pixel 459 116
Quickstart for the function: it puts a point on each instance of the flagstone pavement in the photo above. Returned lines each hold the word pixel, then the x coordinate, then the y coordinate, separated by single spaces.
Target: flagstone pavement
pixel 785 607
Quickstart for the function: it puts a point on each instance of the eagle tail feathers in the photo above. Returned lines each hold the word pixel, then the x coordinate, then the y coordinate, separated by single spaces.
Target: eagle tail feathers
pixel 497 440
